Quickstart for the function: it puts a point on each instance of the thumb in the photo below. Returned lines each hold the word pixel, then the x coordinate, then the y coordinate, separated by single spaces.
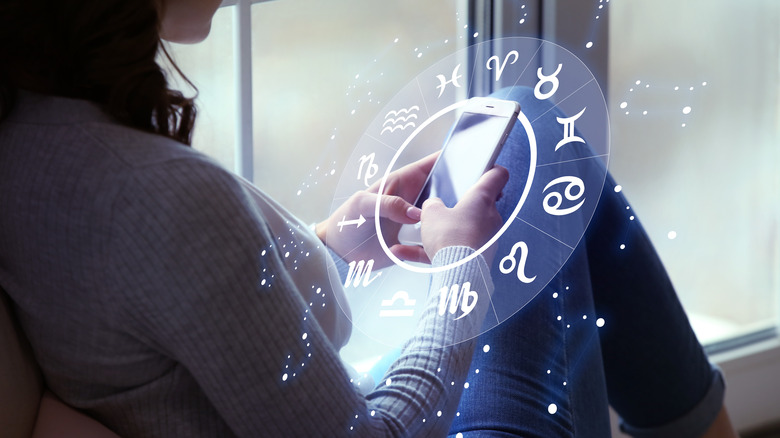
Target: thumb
pixel 489 185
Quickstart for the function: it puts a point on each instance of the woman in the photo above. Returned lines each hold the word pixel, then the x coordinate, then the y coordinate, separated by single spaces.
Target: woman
pixel 151 284
pixel 156 289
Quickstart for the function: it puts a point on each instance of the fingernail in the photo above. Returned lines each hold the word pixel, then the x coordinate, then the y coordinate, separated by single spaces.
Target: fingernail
pixel 414 213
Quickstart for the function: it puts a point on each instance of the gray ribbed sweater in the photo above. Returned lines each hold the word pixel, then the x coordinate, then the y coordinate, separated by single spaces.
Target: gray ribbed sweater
pixel 158 298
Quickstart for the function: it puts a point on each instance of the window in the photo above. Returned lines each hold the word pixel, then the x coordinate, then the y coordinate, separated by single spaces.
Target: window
pixel 285 88
pixel 695 127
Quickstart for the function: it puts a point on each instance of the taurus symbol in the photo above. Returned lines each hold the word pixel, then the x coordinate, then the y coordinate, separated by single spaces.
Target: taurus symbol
pixel 500 68
pixel 453 80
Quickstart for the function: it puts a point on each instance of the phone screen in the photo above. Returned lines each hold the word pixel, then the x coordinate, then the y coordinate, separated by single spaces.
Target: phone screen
pixel 465 157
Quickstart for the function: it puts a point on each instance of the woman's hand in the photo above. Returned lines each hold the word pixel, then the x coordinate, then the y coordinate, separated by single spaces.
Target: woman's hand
pixel 472 222
pixel 359 242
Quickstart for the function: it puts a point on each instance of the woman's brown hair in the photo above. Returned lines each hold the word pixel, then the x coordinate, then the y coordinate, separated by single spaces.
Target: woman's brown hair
pixel 99 50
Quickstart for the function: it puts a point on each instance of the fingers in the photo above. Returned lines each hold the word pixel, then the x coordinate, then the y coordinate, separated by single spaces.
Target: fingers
pixel 407 180
pixel 394 208
pixel 410 253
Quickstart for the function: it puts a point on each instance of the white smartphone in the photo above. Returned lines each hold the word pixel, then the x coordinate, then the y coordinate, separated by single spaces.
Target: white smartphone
pixel 470 150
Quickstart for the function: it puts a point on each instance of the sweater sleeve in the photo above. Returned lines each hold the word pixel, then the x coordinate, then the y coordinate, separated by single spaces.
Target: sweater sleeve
pixel 201 280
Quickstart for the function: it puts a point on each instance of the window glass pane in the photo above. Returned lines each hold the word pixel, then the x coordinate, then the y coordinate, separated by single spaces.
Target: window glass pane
pixel 209 65
pixel 694 99
pixel 316 62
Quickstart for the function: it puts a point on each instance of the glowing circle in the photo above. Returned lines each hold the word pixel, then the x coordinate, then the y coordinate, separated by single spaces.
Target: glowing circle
pixel 531 171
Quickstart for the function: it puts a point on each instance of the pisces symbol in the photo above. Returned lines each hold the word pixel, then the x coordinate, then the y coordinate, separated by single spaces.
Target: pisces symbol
pixel 500 68
pixel 453 80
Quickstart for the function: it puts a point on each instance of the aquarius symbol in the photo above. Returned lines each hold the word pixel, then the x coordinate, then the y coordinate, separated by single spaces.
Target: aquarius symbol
pixel 407 303
pixel 400 122
pixel 453 80
pixel 574 182
pixel 371 170
pixel 454 296
pixel 357 272
pixel 552 79
pixel 513 262
pixel 500 68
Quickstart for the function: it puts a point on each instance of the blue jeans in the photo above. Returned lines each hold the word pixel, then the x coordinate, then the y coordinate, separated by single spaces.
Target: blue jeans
pixel 550 369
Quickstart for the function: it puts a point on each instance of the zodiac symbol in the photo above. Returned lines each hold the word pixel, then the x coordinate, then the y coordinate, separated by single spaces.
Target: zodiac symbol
pixel 371 170
pixel 453 80
pixel 400 122
pixel 399 296
pixel 454 296
pixel 357 272
pixel 552 79
pixel 568 130
pixel 500 69
pixel 359 221
pixel 574 182
pixel 513 262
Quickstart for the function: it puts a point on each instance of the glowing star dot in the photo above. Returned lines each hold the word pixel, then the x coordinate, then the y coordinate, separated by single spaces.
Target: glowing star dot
pixel 560 317
pixel 388 382
pixel 644 113
pixel 476 34
pixel 522 20
pixel 549 371
pixel 305 335
pixel 438 414
pixel 458 435
pixel 618 188
pixel 466 385
pixel 373 413
pixel 638 82
pixel 672 235
pixel 486 348
pixel 589 45
pixel 584 316
pixel 622 246
pixel 687 110
pixel 623 105
pixel 284 377
pixel 555 294
pixel 552 409
pixel 600 322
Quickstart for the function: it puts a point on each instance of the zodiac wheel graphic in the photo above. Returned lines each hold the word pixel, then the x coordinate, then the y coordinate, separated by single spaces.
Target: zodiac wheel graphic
pixel 557 157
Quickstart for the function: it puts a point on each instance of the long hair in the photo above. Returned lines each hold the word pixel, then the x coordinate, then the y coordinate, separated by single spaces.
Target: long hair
pixel 103 51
